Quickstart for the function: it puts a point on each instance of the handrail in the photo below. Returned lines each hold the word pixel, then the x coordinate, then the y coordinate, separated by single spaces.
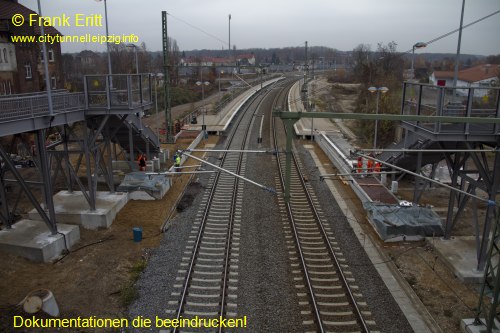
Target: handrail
pixel 130 94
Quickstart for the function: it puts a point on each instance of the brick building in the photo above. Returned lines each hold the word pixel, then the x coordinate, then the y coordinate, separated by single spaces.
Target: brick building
pixel 21 64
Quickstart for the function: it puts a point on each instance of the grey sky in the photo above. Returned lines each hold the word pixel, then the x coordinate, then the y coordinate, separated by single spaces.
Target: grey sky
pixel 279 23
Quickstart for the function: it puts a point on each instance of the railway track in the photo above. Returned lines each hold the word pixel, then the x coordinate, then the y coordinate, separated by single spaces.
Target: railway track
pixel 208 277
pixel 329 299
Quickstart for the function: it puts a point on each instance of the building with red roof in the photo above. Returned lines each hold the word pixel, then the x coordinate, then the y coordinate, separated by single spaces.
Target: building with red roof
pixel 481 76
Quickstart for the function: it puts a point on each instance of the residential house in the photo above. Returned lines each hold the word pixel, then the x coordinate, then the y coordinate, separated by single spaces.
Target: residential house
pixel 481 76
pixel 21 65
pixel 246 59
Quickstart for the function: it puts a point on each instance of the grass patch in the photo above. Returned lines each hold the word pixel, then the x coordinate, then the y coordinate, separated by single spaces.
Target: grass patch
pixel 129 293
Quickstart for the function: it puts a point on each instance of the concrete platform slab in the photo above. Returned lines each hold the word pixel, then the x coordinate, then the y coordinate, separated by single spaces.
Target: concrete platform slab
pixel 72 208
pixel 219 122
pixel 459 254
pixel 32 239
pixel 468 326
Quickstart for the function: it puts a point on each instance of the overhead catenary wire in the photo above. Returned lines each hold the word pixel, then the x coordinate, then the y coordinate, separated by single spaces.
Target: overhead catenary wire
pixel 489 202
pixel 409 51
pixel 453 31
pixel 199 29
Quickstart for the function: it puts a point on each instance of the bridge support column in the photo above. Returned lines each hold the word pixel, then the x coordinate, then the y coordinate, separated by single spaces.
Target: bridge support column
pixel 109 162
pixel 5 215
pixel 45 183
pixel 46 179
pixel 88 167
pixel 491 212
pixel 131 145
pixel 488 306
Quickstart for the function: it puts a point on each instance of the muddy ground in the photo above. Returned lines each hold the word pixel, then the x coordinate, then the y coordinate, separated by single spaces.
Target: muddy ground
pixel 97 277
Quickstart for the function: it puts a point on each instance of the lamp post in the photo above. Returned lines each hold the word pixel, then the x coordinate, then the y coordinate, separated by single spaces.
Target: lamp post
pixel 107 34
pixel 156 107
pixel 136 60
pixel 220 73
pixel 202 84
pixel 378 90
pixel 261 72
pixel 457 57
pixel 48 85
pixel 418 45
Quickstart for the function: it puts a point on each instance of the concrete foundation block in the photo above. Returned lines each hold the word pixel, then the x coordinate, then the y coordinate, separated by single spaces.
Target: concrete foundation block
pixel 459 254
pixel 150 166
pixel 163 156
pixel 469 326
pixel 73 208
pixel 32 239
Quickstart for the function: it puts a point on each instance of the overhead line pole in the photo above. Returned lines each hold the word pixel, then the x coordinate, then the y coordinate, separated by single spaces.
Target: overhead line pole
pixel 166 83
pixel 457 58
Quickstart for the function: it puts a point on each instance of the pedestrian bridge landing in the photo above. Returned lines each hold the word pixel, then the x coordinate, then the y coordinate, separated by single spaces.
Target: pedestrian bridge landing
pixel 103 95
pixel 110 109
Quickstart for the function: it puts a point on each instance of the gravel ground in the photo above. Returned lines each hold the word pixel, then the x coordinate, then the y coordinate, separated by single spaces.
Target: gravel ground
pixel 266 292
pixel 265 288
pixel 385 310
pixel 156 282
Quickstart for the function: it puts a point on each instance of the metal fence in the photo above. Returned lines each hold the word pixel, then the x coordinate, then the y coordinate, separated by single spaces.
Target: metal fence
pixel 36 105
pixel 118 91
pixel 430 100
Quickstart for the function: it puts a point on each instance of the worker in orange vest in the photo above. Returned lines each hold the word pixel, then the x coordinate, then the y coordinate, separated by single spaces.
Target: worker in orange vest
pixel 360 164
pixel 369 165
pixel 378 167
pixel 142 162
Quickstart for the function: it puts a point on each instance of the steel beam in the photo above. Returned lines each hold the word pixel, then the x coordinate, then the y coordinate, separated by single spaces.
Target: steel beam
pixel 68 161
pixel 109 168
pixel 491 211
pixel 47 189
pixel 229 172
pixel 389 117
pixel 88 167
pixel 43 215
pixel 455 166
pixel 5 215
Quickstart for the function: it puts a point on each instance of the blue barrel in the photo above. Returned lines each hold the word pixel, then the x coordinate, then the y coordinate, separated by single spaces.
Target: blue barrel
pixel 137 234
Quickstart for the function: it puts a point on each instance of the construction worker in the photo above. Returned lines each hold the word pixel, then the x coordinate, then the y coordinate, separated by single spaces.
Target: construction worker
pixel 177 163
pixel 142 162
pixel 360 164
pixel 378 167
pixel 369 165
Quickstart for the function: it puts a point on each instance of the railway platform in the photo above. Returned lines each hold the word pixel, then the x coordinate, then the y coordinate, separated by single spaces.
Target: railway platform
pixel 218 123
pixel 458 252
pixel 305 127
pixel 87 123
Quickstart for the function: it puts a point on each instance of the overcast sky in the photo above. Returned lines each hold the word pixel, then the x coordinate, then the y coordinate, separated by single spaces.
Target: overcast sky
pixel 340 24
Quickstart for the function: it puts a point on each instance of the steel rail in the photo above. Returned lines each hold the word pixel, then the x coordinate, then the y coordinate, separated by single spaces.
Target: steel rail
pixel 299 248
pixel 352 300
pixel 362 323
pixel 232 218
pixel 204 219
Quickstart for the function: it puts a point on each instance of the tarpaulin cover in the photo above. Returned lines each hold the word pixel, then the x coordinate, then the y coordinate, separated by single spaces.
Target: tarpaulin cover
pixel 392 221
